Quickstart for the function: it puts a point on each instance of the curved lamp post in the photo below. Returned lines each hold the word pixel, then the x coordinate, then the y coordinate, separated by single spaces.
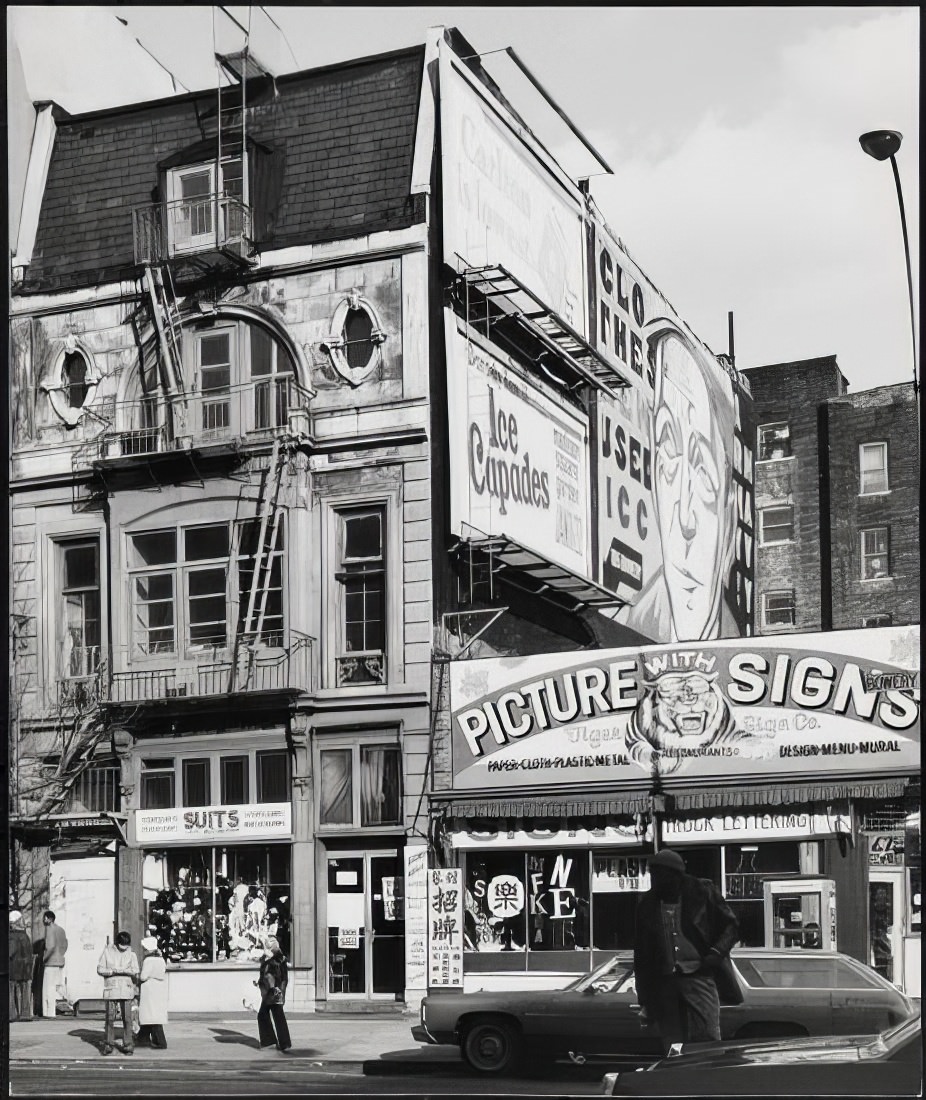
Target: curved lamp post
pixel 882 145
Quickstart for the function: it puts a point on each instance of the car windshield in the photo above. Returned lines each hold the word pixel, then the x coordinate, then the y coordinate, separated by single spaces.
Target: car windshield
pixel 610 977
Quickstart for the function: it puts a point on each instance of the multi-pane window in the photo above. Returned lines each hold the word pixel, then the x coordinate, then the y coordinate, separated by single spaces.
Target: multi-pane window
pixel 196 199
pixel 260 605
pixel 214 362
pixel 777 524
pixel 157 783
pixel 233 779
pixel 180 586
pixel 876 561
pixel 79 622
pixel 360 785
pixel 361 576
pixel 872 458
pixel 778 608
pixel 271 372
pixel 272 776
pixel 774 441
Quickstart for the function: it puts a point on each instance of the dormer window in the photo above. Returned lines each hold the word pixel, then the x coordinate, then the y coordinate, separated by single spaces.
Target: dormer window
pixel 204 207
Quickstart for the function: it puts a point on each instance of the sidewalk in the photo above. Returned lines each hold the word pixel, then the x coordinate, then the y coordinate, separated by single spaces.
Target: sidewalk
pixel 228 1037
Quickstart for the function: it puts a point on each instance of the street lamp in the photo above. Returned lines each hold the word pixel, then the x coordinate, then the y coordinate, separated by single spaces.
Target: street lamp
pixel 882 145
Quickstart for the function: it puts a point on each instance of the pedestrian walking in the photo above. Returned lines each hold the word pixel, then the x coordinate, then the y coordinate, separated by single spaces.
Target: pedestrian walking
pixel 118 966
pixel 684 933
pixel 152 996
pixel 20 969
pixel 272 981
pixel 56 945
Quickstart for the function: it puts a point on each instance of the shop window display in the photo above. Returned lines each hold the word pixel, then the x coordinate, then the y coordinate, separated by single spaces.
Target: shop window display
pixel 537 901
pixel 218 904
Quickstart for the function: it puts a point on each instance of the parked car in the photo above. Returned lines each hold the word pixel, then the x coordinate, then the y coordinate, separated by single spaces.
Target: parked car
pixel 889 1064
pixel 785 993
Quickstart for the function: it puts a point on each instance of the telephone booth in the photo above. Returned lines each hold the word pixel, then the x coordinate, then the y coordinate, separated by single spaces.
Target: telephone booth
pixel 800 911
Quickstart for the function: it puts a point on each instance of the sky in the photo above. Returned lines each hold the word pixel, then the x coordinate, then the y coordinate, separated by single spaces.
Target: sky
pixel 738 181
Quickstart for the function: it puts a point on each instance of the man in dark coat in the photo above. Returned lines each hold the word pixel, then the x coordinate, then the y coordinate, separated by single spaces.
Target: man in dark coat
pixel 684 932
pixel 20 969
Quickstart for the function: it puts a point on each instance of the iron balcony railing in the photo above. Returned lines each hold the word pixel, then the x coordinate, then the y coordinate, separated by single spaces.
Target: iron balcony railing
pixel 185 227
pixel 253 410
pixel 140 678
pixel 95 791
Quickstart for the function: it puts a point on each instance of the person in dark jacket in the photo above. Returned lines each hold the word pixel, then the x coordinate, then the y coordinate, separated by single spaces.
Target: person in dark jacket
pixel 272 981
pixel 20 969
pixel 684 933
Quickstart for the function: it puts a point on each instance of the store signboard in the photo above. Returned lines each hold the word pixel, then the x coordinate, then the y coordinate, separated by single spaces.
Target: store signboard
pixel 518 454
pixel 611 836
pixel 787 706
pixel 262 821
pixel 886 849
pixel 731 828
pixel 416 917
pixel 505 202
pixel 445 927
pixel 672 462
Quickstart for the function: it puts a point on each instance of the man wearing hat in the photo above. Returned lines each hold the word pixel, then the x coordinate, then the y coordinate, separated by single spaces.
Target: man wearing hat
pixel 21 963
pixel 684 932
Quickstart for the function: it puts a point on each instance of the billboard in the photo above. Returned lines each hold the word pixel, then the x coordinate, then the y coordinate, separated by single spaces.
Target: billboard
pixel 672 463
pixel 504 203
pixel 773 708
pixel 518 454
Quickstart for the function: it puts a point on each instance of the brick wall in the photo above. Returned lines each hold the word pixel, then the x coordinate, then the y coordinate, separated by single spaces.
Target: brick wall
pixel 792 393
pixel 886 414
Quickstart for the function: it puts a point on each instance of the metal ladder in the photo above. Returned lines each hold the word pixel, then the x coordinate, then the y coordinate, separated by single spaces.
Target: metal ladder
pixel 165 312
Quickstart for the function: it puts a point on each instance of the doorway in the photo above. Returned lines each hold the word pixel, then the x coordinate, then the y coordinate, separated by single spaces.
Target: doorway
pixel 365 942
pixel 885 923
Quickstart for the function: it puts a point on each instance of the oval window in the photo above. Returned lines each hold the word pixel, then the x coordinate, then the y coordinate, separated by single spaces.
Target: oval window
pixel 74 379
pixel 358 338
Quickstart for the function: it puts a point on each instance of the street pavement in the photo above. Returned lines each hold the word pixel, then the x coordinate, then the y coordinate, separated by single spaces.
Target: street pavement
pixel 231 1037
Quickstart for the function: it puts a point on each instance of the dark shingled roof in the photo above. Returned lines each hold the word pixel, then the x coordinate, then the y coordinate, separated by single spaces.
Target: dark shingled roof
pixel 340 140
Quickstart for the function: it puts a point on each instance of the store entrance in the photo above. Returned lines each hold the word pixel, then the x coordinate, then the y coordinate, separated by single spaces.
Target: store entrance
pixel 366 925
pixel 885 923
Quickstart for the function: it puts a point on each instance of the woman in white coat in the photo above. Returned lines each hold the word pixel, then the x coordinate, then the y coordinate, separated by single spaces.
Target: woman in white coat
pixel 152 999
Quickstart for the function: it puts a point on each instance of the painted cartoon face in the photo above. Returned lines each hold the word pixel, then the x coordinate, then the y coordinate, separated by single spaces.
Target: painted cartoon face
pixel 688 711
pixel 690 489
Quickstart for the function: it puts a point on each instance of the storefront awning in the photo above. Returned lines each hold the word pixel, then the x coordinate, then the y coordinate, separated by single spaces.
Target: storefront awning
pixel 635 801
pixel 537 575
pixel 75 826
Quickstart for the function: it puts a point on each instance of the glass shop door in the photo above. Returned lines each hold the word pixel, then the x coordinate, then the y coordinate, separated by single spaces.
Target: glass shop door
pixel 366 925
pixel 885 923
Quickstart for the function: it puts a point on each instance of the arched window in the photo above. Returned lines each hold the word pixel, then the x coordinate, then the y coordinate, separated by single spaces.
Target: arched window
pixel 74 379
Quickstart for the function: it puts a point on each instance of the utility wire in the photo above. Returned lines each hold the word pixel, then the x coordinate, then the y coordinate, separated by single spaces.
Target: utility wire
pixel 233 19
pixel 280 29
pixel 175 80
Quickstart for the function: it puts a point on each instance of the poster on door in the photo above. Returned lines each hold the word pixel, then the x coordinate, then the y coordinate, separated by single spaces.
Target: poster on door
pixel 445 927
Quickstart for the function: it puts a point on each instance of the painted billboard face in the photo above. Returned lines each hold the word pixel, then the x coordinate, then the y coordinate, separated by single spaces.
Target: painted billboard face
pixel 693 493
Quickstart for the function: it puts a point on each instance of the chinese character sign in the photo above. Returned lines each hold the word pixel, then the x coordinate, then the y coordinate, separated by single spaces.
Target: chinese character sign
pixel 445 927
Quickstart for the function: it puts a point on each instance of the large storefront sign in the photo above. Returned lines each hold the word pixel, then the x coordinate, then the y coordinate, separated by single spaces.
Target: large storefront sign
pixel 752 826
pixel 776 707
pixel 609 836
pixel 503 202
pixel 518 456
pixel 673 463
pixel 264 821
pixel 445 927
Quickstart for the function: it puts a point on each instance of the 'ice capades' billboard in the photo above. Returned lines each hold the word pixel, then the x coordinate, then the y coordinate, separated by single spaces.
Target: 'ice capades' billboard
pixel 518 454
pixel 776 708
pixel 672 462
pixel 505 201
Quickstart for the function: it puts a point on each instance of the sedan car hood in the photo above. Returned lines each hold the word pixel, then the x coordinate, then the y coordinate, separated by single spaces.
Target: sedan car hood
pixel 828 1048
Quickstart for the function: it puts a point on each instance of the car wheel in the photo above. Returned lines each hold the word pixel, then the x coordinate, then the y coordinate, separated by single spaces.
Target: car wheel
pixel 491 1046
